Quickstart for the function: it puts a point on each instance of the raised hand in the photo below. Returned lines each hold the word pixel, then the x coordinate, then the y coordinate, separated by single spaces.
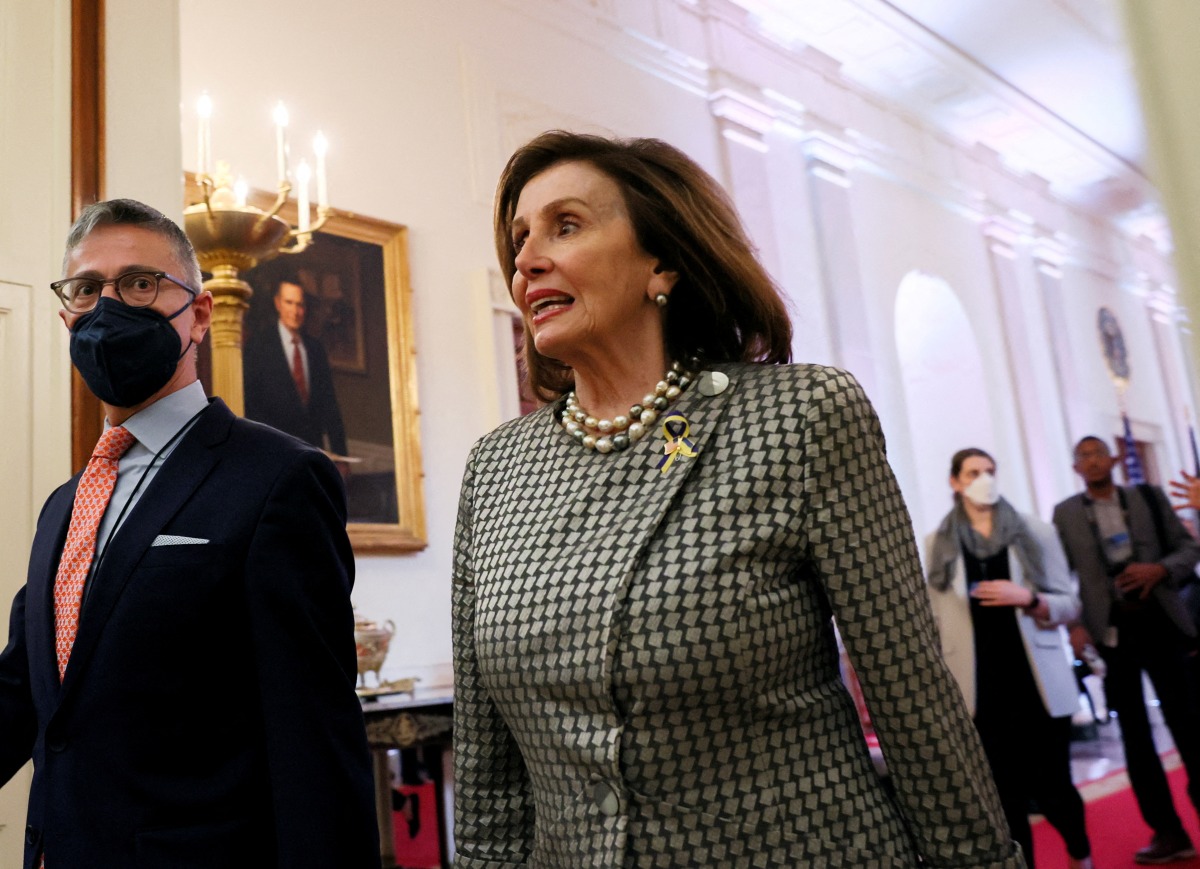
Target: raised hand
pixel 1188 489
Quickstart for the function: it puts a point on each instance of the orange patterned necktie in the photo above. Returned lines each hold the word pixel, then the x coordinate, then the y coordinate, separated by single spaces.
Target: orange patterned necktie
pixel 91 499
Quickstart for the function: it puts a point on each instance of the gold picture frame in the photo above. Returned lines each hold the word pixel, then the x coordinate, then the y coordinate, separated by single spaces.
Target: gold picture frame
pixel 362 263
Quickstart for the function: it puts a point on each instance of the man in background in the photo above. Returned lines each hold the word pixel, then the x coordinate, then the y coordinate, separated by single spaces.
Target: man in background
pixel 1131 554
pixel 180 662
pixel 288 383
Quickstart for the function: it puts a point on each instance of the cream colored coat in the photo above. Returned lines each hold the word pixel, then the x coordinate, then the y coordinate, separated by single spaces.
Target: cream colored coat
pixel 1049 655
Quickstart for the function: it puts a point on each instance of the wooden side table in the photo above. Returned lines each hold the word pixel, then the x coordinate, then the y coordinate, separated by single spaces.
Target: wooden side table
pixel 422 719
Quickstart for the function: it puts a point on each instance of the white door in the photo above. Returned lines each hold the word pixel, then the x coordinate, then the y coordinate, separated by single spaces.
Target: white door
pixel 16 520
pixel 35 43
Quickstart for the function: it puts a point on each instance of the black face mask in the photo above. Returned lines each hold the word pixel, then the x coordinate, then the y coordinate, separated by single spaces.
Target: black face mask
pixel 125 354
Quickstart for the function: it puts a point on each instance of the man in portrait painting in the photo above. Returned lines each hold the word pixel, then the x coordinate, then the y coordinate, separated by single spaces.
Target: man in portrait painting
pixel 288 383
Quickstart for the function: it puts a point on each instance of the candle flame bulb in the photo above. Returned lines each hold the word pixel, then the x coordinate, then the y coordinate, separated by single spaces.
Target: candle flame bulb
pixel 303 175
pixel 320 147
pixel 281 122
pixel 204 134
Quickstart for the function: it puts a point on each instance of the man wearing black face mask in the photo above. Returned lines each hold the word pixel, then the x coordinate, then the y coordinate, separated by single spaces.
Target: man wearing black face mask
pixel 180 663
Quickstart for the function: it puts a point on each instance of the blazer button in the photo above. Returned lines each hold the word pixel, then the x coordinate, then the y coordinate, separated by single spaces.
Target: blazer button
pixel 32 835
pixel 56 744
pixel 607 800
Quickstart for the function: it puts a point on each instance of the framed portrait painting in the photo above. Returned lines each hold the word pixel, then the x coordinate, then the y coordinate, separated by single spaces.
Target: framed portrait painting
pixel 328 356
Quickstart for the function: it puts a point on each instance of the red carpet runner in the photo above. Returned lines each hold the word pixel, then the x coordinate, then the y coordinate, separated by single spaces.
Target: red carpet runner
pixel 1116 828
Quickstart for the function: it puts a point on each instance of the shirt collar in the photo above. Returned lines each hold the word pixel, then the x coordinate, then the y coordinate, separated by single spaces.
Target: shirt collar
pixel 286 336
pixel 154 426
pixel 1115 499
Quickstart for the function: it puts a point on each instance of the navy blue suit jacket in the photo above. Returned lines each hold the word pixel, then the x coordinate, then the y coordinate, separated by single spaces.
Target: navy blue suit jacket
pixel 271 395
pixel 207 716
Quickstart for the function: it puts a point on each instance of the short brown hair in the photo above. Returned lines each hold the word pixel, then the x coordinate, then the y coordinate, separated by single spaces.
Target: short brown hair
pixel 724 306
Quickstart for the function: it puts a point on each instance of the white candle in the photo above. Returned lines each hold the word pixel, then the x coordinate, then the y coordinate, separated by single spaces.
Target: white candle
pixel 281 122
pixel 320 146
pixel 241 190
pixel 303 174
pixel 203 134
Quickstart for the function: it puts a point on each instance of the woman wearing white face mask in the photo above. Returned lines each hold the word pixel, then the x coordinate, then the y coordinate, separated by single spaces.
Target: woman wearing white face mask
pixel 1000 587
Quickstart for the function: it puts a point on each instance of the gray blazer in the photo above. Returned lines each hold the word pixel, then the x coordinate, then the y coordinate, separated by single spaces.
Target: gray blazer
pixel 645 665
pixel 1087 560
pixel 1044 645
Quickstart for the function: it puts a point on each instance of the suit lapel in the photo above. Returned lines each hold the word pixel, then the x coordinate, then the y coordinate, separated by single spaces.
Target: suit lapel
pixel 178 478
pixel 47 550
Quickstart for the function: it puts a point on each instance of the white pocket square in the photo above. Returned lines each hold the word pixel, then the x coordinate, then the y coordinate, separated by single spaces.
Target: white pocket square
pixel 176 540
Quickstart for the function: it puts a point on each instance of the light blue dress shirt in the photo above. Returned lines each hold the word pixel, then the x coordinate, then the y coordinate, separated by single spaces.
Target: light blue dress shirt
pixel 159 427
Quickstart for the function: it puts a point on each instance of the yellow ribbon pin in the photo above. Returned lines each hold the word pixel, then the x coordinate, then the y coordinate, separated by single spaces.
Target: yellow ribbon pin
pixel 675 429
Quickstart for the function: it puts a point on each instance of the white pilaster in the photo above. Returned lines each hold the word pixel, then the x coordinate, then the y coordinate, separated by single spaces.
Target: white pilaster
pixel 1035 398
pixel 829 162
pixel 744 123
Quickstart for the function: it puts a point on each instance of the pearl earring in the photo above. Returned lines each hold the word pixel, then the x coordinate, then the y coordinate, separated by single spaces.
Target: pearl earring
pixel 661 300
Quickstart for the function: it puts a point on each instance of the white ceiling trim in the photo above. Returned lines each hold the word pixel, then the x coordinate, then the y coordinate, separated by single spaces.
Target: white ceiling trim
pixel 889 53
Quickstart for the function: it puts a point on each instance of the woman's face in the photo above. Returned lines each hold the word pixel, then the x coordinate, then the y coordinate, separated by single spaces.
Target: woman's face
pixel 972 468
pixel 583 283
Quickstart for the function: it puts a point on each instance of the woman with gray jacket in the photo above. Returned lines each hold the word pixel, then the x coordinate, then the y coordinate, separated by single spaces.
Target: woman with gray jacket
pixel 645 669
pixel 1000 587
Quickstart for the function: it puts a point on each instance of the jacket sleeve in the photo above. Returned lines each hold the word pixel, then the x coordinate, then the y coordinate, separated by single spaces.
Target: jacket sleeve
pixel 862 548
pixel 18 717
pixel 1184 553
pixel 299 570
pixel 1058 587
pixel 493 808
pixel 18 721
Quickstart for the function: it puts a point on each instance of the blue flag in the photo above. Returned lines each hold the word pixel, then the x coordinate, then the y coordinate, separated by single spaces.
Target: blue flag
pixel 1134 476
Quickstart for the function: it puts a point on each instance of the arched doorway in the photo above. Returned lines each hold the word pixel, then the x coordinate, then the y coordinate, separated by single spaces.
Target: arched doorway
pixel 945 389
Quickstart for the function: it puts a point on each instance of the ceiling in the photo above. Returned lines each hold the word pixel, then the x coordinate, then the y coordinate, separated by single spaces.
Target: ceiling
pixel 1047 84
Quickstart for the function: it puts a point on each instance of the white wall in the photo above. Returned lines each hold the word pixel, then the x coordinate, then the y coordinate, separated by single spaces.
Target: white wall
pixel 424 101
pixel 141 100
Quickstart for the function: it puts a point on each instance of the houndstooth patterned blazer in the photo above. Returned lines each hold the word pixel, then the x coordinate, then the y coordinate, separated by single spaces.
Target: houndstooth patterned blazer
pixel 645 666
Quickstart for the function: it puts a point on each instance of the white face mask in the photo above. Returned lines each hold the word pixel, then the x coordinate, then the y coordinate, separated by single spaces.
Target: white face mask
pixel 983 490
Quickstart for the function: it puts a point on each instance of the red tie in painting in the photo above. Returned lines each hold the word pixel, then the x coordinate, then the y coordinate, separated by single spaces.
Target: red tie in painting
pixel 298 371
pixel 91 499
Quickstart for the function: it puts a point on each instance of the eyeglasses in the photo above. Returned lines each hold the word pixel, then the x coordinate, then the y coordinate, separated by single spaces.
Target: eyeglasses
pixel 135 289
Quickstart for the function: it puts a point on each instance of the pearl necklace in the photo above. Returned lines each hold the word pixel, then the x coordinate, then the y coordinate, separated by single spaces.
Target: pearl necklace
pixel 621 432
